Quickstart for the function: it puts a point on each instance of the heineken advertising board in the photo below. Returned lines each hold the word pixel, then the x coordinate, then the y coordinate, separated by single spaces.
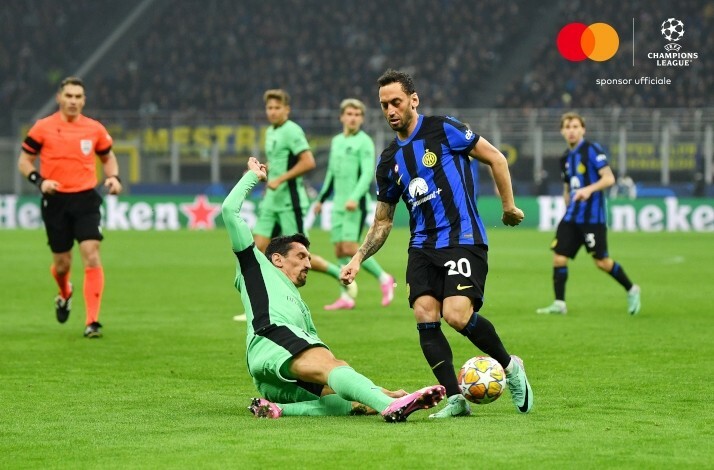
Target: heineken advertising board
pixel 201 212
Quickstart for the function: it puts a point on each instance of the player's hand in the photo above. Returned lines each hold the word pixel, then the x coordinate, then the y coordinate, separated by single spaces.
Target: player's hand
pixel 258 168
pixel 350 205
pixel 113 185
pixel 317 208
pixel 349 272
pixel 273 184
pixel 512 216
pixel 582 194
pixel 49 186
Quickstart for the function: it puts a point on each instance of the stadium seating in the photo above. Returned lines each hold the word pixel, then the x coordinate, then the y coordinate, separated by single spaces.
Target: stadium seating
pixel 220 55
pixel 43 41
pixel 557 83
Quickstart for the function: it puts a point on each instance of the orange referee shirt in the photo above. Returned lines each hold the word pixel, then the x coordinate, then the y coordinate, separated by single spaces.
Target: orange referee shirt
pixel 67 150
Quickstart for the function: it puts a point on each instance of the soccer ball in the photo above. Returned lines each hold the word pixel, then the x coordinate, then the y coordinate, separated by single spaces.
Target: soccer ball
pixel 672 29
pixel 482 380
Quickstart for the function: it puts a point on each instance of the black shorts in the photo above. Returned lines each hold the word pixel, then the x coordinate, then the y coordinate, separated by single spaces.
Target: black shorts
pixel 448 272
pixel 71 216
pixel 571 236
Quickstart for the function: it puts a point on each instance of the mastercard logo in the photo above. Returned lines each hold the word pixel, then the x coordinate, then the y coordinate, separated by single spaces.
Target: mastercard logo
pixel 578 41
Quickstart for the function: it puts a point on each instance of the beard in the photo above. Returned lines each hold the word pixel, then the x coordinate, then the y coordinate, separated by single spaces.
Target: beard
pixel 404 122
pixel 301 279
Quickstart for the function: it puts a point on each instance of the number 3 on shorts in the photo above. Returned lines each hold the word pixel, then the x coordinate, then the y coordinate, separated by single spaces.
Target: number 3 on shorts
pixel 590 240
pixel 461 266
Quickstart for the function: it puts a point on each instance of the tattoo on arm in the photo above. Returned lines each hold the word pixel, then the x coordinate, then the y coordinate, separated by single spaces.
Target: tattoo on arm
pixel 379 231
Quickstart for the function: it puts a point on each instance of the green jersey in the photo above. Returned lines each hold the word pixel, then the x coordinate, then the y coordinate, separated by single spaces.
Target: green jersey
pixel 350 170
pixel 283 144
pixel 281 304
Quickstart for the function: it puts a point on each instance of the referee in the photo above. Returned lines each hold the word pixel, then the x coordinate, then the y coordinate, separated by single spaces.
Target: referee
pixel 67 143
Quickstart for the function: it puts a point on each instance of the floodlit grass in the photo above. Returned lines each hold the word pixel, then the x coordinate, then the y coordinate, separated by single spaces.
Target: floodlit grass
pixel 168 387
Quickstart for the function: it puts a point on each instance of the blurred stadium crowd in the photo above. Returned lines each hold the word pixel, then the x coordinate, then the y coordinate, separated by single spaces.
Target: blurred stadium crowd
pixel 220 55
pixel 553 82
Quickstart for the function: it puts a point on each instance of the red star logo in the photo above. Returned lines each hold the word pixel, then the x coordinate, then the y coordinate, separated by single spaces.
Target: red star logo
pixel 201 213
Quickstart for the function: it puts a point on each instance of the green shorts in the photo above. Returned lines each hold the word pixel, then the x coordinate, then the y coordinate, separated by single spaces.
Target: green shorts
pixel 272 223
pixel 347 226
pixel 269 356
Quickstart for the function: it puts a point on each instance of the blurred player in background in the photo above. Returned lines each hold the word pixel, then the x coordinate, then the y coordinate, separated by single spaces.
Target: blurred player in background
pixel 432 165
pixel 291 367
pixel 350 173
pixel 586 174
pixel 289 157
pixel 67 142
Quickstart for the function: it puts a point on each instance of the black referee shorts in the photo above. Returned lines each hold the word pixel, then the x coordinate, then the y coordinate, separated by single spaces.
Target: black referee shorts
pixel 71 216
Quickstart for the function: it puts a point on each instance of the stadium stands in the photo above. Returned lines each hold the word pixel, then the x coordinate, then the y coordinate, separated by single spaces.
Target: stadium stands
pixel 224 54
pixel 43 41
pixel 220 55
pixel 554 82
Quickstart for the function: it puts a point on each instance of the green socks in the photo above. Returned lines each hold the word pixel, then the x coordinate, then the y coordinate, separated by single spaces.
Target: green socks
pixel 373 267
pixel 353 386
pixel 333 270
pixel 329 405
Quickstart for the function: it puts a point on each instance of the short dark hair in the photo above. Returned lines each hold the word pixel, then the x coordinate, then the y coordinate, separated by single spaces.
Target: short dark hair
pixel 394 76
pixel 70 81
pixel 282 244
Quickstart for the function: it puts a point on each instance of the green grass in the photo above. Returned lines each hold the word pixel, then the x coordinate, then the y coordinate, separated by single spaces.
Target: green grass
pixel 167 387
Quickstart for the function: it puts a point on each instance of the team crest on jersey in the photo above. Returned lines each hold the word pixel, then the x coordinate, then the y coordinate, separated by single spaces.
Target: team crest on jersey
pixel 86 146
pixel 429 159
pixel 581 169
pixel 469 134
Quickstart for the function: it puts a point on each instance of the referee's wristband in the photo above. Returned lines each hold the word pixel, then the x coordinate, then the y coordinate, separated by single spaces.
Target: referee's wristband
pixel 115 177
pixel 35 179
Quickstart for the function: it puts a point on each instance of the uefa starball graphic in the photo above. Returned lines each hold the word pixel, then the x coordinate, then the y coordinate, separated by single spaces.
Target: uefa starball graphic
pixel 672 30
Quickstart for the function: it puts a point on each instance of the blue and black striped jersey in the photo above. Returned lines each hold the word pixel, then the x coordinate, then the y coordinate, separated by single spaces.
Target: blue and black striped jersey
pixel 434 175
pixel 579 168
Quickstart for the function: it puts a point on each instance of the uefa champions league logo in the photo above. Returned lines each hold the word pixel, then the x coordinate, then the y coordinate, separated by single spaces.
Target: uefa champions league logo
pixel 672 30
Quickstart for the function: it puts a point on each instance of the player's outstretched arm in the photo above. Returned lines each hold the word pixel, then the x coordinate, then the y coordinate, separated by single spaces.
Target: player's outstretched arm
pixel 491 156
pixel 238 231
pixel 373 241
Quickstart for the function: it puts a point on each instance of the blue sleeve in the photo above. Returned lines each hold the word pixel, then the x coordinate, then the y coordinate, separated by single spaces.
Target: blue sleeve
pixel 461 139
pixel 387 189
pixel 597 157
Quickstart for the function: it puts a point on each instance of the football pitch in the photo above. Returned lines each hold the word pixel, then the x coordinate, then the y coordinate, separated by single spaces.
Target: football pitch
pixel 167 386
